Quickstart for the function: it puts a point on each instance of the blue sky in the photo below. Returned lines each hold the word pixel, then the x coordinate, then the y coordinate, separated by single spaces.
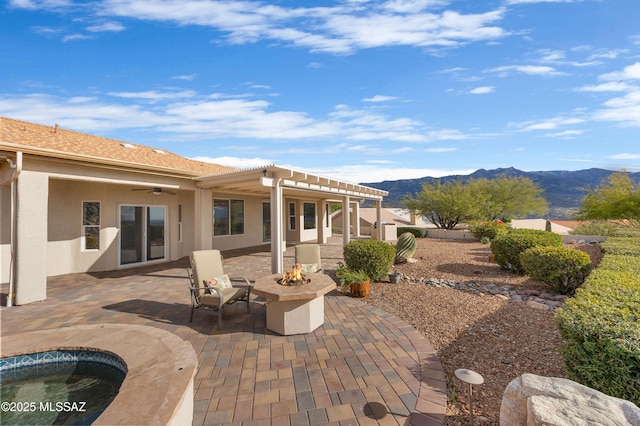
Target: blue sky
pixel 356 89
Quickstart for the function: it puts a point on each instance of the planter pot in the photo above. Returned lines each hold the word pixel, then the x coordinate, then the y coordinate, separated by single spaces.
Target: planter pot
pixel 394 278
pixel 361 289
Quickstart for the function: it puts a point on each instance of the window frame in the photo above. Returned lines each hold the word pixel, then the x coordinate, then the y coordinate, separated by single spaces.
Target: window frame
pixel 307 227
pixel 234 226
pixel 292 216
pixel 86 226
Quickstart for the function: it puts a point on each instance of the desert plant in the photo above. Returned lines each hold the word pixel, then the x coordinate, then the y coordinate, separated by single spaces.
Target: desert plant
pixel 488 229
pixel 508 246
pixel 418 232
pixel 405 247
pixel 562 268
pixel 373 257
pixel 595 227
pixel 351 276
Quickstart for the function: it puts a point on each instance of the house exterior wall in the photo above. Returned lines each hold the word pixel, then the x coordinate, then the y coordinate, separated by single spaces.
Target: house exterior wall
pixel 252 235
pixel 5 233
pixel 65 224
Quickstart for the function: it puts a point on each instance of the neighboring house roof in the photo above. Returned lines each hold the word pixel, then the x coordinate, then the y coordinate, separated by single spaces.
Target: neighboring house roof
pixel 16 135
pixel 369 215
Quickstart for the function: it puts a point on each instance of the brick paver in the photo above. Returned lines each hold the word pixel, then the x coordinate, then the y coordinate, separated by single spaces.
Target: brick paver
pixel 363 366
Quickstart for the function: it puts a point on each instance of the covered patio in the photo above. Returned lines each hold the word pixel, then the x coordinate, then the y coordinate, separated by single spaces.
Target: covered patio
pixel 363 366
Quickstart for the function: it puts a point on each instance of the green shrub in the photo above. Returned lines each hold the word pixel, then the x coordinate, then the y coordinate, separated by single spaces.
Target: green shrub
pixel 600 328
pixel 373 257
pixel 628 231
pixel 417 232
pixel 596 227
pixel 620 262
pixel 487 229
pixel 508 246
pixel 620 245
pixel 562 268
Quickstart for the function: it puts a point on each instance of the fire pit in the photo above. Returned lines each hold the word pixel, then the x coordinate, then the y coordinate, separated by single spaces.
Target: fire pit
pixel 294 277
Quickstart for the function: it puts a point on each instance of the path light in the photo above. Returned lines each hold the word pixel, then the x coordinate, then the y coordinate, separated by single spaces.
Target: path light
pixel 472 378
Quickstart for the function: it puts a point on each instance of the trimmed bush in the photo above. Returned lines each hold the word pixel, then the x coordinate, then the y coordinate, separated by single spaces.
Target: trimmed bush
pixel 488 229
pixel 417 232
pixel 619 245
pixel 373 257
pixel 508 246
pixel 628 231
pixel 621 262
pixel 562 268
pixel 600 328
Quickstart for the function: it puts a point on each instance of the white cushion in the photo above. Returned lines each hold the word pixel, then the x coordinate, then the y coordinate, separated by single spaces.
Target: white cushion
pixel 220 282
pixel 310 268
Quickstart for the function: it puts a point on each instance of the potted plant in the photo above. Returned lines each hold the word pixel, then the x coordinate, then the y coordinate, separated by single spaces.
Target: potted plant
pixel 395 277
pixel 356 283
pixel 339 272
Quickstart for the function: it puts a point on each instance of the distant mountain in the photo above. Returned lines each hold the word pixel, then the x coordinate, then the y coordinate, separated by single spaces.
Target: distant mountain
pixel 563 190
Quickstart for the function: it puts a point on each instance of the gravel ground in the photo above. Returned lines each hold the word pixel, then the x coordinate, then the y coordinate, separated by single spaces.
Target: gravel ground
pixel 498 338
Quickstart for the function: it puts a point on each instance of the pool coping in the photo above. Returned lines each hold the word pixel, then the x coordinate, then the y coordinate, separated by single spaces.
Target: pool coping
pixel 158 387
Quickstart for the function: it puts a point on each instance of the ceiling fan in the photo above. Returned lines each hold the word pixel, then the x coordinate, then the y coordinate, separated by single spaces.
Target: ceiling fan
pixel 155 191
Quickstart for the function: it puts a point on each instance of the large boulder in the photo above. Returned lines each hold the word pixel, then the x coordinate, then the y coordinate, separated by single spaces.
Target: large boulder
pixel 548 401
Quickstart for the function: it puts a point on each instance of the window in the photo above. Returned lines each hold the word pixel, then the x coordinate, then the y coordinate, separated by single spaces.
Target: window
pixel 292 216
pixel 179 223
pixel 228 217
pixel 90 225
pixel 309 216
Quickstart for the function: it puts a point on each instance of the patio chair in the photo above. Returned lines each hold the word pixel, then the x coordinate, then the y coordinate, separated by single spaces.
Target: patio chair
pixel 211 288
pixel 308 255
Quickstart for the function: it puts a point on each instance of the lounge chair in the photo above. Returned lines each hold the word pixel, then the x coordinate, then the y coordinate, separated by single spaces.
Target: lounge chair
pixel 211 288
pixel 308 255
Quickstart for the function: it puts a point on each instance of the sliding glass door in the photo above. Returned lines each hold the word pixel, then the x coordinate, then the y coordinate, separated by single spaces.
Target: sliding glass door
pixel 142 233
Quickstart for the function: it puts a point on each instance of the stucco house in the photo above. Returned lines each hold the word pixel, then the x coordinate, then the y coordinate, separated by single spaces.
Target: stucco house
pixel 73 202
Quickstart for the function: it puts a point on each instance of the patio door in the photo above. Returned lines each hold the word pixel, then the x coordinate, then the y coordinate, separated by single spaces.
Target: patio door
pixel 266 222
pixel 142 233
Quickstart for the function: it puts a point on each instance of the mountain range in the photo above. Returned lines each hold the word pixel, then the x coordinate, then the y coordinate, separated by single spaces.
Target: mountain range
pixel 563 190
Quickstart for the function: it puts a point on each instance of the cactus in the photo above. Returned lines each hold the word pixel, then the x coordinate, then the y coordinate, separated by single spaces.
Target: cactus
pixel 405 247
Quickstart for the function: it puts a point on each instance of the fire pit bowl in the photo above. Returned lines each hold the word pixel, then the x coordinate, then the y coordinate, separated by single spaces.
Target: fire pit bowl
pixel 294 277
pixel 302 281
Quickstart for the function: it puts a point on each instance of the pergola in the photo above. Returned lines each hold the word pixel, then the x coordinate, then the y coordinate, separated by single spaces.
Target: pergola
pixel 277 182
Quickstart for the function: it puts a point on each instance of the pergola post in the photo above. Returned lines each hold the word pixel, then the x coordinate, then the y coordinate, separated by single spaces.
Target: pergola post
pixel 346 221
pixel 355 219
pixel 379 219
pixel 277 230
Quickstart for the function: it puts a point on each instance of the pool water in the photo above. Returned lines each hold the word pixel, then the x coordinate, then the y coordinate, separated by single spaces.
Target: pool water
pixel 72 392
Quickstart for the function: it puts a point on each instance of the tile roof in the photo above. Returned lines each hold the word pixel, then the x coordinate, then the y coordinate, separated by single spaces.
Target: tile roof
pixel 57 142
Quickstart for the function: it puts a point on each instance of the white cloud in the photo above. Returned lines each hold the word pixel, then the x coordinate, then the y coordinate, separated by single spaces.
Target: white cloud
pixel 76 37
pixel 186 77
pixel 380 98
pixel 367 173
pixel 526 69
pixel 625 156
pixel 340 29
pixel 549 124
pixel 631 72
pixel 438 150
pixel 567 134
pixel 154 95
pixel 186 115
pixel 482 90
pixel 106 27
pixel 613 86
pixel 624 110
pixel 541 1
pixel 240 162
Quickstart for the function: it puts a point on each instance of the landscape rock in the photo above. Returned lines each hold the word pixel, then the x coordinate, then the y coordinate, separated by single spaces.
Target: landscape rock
pixel 549 401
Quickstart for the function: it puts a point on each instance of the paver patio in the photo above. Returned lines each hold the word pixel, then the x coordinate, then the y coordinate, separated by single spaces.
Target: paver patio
pixel 363 366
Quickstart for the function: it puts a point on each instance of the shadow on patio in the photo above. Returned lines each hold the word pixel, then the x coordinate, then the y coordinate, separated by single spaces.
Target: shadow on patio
pixel 363 366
